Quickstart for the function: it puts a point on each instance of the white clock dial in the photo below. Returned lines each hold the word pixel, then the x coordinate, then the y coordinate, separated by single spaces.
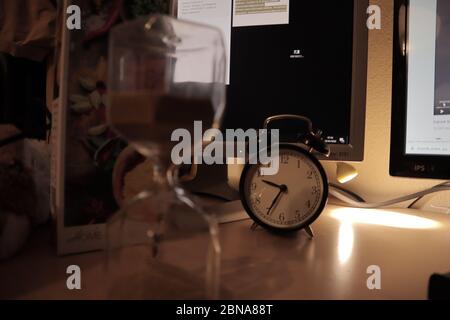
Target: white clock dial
pixel 291 199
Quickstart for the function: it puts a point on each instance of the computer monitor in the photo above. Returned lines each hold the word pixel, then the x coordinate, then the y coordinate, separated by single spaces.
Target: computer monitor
pixel 294 57
pixel 420 143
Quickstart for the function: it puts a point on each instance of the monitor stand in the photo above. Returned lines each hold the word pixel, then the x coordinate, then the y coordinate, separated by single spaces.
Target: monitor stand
pixel 212 181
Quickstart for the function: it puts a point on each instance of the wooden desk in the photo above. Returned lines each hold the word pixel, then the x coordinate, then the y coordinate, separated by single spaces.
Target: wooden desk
pixel 407 245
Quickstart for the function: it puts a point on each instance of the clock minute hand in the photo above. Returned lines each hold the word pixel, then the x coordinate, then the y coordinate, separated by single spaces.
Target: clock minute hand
pixel 269 210
pixel 283 189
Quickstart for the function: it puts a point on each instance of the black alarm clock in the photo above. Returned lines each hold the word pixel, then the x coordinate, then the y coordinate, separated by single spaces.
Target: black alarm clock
pixel 296 195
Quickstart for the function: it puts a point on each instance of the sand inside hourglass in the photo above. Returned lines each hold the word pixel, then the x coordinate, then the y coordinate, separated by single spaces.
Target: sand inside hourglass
pixel 148 121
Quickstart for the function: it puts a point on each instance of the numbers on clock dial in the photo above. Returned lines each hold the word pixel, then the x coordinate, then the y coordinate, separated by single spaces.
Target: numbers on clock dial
pixel 284 159
pixel 293 195
pixel 315 190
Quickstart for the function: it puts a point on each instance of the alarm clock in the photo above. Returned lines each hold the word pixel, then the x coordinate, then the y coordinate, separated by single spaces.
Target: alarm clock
pixel 296 195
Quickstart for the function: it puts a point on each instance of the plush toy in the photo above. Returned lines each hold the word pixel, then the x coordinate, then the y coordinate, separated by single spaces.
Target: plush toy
pixel 17 207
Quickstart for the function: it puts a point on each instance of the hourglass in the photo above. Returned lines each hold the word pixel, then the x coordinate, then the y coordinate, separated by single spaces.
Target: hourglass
pixel 164 75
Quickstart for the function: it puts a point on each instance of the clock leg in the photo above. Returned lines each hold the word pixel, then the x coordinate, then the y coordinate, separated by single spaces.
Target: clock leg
pixel 310 232
pixel 254 226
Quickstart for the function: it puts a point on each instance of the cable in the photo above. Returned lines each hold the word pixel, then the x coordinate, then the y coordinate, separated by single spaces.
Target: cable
pixel 420 198
pixel 344 196
pixel 348 192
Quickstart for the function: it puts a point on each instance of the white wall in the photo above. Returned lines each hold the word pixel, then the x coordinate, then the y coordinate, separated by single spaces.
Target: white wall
pixel 374 182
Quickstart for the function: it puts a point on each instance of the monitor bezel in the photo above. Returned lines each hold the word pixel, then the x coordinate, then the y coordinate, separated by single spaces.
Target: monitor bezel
pixel 354 151
pixel 402 164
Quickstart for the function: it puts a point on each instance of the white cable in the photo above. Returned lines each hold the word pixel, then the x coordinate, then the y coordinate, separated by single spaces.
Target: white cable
pixel 343 197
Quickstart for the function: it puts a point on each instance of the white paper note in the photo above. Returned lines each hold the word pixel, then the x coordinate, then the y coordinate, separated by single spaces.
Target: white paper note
pixel 260 12
pixel 216 13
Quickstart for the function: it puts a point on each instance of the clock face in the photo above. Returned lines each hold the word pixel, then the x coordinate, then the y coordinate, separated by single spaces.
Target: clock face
pixel 291 199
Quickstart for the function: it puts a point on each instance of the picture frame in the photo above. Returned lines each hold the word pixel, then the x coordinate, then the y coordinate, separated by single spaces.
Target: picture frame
pixel 84 148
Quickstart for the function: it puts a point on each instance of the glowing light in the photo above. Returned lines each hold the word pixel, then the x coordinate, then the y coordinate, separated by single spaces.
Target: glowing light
pixel 348 178
pixel 345 243
pixel 345 172
pixel 383 218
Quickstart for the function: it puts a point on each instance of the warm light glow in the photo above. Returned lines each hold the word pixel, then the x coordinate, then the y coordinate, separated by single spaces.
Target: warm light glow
pixel 345 243
pixel 348 178
pixel 345 172
pixel 383 218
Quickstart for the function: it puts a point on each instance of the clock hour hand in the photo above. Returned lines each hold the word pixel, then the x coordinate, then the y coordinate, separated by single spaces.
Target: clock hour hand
pixel 283 187
pixel 270 183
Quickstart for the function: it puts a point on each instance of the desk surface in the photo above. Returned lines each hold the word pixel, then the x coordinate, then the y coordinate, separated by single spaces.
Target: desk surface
pixel 407 245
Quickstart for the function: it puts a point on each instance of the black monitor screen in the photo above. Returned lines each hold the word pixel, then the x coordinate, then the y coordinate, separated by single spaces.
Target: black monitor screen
pixel 303 68
pixel 303 58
